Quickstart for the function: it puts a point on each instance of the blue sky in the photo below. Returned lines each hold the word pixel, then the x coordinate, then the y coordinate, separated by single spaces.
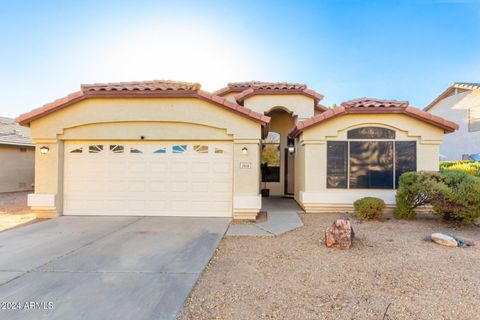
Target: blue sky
pixel 407 50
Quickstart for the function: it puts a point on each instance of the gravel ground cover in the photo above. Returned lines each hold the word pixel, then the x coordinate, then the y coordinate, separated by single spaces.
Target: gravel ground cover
pixel 14 210
pixel 389 273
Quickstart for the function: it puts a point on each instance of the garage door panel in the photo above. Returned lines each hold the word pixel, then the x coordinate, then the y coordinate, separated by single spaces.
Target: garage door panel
pixel 159 186
pixel 152 181
pixel 137 167
pixel 158 166
pixel 179 167
pixel 222 168
pixel 201 167
pixel 200 187
pixel 220 205
pixel 201 205
pixel 221 187
pixel 117 168
pixel 116 186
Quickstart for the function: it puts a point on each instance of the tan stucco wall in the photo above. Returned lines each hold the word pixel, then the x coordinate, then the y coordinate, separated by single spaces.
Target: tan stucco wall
pixel 154 119
pixel 16 168
pixel 302 107
pixel 299 171
pixel 281 122
pixel 456 108
pixel 187 110
pixel 314 196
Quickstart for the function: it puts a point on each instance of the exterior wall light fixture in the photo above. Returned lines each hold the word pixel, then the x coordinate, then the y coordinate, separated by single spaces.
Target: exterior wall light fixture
pixel 291 147
pixel 44 150
pixel 244 151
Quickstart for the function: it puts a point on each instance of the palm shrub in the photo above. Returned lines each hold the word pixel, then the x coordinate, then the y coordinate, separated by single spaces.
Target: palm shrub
pixel 369 208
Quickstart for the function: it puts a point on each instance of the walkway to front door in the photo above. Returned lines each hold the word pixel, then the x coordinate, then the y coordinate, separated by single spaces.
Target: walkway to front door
pixel 281 217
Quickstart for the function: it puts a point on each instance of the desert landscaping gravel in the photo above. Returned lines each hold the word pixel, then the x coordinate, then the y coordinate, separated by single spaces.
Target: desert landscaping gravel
pixel 14 210
pixel 389 273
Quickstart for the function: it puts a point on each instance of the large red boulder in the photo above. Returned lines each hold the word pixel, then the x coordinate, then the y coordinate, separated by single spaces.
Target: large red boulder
pixel 340 234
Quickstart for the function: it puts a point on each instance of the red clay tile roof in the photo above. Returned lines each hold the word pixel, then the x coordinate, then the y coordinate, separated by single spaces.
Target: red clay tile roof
pixel 250 88
pixel 374 106
pixel 144 89
pixel 155 85
pixel 451 89
pixel 374 103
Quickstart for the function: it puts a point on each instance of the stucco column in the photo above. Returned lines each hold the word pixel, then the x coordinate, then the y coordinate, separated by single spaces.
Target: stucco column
pixel 247 200
pixel 46 202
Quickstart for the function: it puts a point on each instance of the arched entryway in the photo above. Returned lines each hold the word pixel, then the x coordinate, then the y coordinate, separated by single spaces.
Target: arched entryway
pixel 277 163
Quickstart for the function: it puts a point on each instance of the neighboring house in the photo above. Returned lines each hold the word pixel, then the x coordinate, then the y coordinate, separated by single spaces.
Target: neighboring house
pixel 460 103
pixel 17 157
pixel 170 149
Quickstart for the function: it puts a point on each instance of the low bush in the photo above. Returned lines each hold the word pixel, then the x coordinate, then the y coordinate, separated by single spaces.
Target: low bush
pixel 454 195
pixel 369 208
pixel 467 166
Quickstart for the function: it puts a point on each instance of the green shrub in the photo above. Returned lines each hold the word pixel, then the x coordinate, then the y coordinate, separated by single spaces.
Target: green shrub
pixel 467 166
pixel 369 208
pixel 455 195
pixel 413 191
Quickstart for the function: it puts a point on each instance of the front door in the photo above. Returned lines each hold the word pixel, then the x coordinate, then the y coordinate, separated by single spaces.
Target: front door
pixel 289 172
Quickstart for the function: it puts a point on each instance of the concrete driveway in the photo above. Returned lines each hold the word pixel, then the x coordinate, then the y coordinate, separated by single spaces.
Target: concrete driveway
pixel 104 267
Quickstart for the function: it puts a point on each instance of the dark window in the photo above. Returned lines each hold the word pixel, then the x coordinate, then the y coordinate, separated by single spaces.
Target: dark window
pixel 371 164
pixel 405 158
pixel 337 154
pixel 371 133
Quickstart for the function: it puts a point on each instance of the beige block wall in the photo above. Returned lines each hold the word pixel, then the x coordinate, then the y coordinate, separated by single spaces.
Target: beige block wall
pixel 16 168
pixel 316 197
pixel 154 119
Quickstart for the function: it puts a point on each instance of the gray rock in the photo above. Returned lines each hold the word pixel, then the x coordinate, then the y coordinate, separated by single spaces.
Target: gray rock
pixel 443 239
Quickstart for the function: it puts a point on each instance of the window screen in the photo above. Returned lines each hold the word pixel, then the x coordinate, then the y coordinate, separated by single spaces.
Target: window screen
pixel 371 164
pixel 405 158
pixel 371 133
pixel 337 153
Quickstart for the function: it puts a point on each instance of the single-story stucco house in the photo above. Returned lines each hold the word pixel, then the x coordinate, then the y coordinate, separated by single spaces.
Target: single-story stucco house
pixel 168 148
pixel 460 103
pixel 17 157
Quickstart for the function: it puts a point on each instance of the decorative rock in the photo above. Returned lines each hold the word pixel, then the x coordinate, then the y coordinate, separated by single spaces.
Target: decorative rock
pixel 340 234
pixel 443 239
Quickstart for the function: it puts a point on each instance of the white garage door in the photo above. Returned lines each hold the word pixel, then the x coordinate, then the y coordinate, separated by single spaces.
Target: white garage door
pixel 148 178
